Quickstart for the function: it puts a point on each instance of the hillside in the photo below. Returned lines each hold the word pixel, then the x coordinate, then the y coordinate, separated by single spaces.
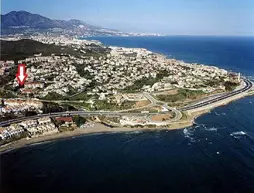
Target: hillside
pixel 26 19
pixel 25 22
pixel 18 50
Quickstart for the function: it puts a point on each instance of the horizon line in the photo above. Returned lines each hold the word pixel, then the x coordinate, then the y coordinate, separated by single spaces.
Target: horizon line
pixel 158 33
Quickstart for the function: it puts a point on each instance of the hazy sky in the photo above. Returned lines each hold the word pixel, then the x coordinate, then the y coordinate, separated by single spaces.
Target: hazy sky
pixel 178 17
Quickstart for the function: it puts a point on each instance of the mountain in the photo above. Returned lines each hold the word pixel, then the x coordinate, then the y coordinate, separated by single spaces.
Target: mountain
pixel 26 19
pixel 25 22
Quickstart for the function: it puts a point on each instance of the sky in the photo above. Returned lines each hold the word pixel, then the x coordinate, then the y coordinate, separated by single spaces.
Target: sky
pixel 172 17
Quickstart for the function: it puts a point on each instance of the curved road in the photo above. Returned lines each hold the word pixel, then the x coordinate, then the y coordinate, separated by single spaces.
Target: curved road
pixel 247 87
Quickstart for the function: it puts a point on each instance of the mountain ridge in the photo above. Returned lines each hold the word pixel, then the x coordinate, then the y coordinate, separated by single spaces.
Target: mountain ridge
pixel 23 20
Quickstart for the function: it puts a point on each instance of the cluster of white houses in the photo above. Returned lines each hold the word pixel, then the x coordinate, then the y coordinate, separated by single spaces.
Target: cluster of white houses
pixel 41 126
pixel 19 105
pixel 58 72
pixel 113 71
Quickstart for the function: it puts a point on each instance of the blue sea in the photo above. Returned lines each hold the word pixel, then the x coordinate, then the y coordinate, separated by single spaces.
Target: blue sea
pixel 215 155
pixel 231 53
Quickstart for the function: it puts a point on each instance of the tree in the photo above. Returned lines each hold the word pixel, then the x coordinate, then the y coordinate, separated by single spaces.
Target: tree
pixel 79 120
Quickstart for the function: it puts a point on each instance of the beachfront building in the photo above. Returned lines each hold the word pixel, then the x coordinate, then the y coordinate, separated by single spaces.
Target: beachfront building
pixel 42 126
pixel 45 126
pixel 29 126
pixel 65 123
pixel 1 132
pixel 11 131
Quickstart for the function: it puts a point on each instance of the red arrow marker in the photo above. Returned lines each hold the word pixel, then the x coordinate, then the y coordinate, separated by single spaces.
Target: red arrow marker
pixel 21 75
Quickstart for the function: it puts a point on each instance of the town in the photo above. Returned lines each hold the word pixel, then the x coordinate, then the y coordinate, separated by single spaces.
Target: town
pixel 115 79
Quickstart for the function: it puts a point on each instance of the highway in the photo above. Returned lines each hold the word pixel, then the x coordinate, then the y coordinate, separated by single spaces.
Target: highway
pixel 248 86
pixel 71 113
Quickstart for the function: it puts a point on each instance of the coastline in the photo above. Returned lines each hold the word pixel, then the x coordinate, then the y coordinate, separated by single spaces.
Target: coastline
pixel 97 129
pixel 100 128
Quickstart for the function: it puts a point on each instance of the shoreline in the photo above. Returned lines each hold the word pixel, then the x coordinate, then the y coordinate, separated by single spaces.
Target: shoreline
pixel 100 128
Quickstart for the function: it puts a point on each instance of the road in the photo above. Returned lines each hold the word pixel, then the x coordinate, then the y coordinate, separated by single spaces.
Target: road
pixel 154 102
pixel 247 87
pixel 71 113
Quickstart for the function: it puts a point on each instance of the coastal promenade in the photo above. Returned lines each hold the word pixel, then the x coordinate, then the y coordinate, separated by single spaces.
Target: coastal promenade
pixel 200 106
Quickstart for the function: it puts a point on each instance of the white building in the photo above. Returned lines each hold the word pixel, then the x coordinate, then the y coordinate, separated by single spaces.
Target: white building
pixel 11 131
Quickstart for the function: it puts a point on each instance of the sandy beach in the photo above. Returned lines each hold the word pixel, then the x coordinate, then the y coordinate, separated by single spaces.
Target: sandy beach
pixel 98 128
pixel 101 128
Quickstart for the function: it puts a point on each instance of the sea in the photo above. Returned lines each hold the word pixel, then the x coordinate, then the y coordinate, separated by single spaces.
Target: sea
pixel 214 155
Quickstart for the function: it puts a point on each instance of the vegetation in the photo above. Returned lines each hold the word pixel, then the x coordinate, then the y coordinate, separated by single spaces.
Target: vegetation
pixel 8 116
pixel 5 94
pixel 138 84
pixel 77 105
pixel 184 117
pixel 7 78
pixel 230 86
pixel 82 72
pixel 213 83
pixel 29 113
pixel 54 96
pixel 81 96
pixel 55 107
pixel 181 95
pixel 79 120
pixel 21 49
pixel 104 105
pixel 50 78
pixel 65 128
pixel 18 50
pixel 71 91
pixel 100 52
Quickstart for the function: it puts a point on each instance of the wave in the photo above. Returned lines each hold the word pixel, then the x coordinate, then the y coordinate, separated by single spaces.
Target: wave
pixel 238 134
pixel 39 143
pixel 211 129
pixel 134 132
pixel 217 114
pixel 197 126
pixel 188 133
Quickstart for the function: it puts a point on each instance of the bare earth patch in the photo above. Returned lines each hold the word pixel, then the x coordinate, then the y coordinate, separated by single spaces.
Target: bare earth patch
pixel 142 103
pixel 162 117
